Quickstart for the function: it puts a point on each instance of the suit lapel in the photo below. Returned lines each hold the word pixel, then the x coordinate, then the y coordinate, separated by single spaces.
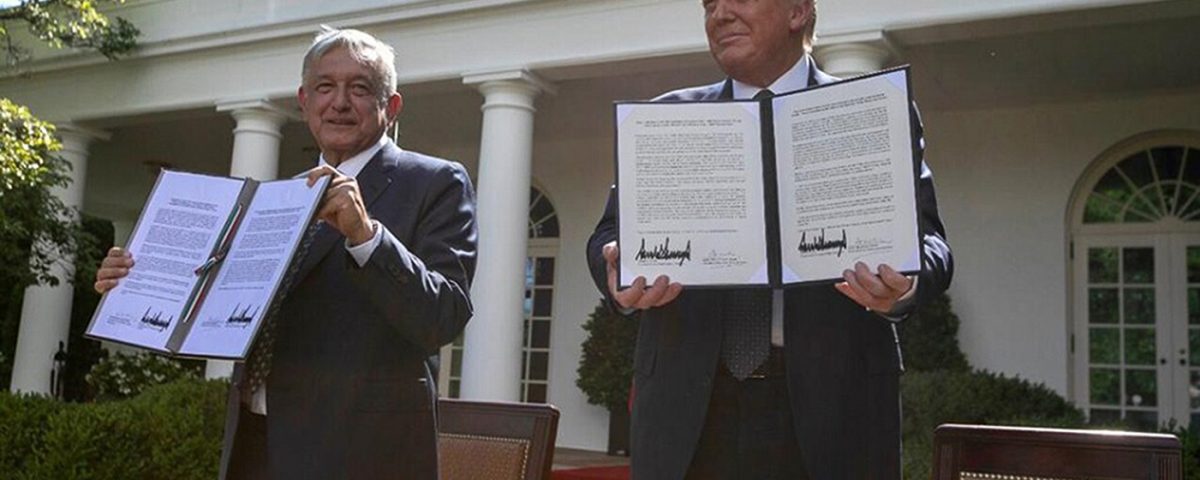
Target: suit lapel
pixel 372 181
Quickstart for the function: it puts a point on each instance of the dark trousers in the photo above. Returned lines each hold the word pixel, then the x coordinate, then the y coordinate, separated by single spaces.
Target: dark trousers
pixel 748 433
pixel 248 459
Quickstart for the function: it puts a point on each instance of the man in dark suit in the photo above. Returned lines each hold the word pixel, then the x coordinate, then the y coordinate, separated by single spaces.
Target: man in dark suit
pixel 812 394
pixel 339 388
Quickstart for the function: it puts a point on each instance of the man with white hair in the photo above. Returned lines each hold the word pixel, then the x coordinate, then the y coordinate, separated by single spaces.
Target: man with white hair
pixel 757 384
pixel 337 384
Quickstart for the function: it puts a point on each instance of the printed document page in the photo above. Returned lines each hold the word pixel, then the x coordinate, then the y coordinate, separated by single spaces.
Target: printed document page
pixel 260 255
pixel 177 231
pixel 690 193
pixel 844 161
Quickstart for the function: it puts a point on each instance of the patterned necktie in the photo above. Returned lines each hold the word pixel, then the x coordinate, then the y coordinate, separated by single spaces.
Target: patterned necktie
pixel 746 328
pixel 258 363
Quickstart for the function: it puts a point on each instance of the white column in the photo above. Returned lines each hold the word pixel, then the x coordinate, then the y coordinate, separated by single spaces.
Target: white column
pixel 853 54
pixel 46 311
pixel 256 139
pixel 492 351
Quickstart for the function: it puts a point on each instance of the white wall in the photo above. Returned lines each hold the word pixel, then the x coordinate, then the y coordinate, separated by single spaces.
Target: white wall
pixel 1004 180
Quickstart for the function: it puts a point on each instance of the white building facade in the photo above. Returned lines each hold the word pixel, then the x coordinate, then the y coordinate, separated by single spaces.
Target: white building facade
pixel 1064 137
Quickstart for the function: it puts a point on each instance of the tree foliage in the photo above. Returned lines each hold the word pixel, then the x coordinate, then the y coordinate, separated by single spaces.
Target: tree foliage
pixel 35 225
pixel 66 24
pixel 36 229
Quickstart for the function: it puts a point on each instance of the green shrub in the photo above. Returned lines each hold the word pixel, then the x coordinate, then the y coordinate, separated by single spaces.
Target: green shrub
pixel 126 375
pixel 606 368
pixel 944 396
pixel 170 431
pixel 929 338
pixel 23 420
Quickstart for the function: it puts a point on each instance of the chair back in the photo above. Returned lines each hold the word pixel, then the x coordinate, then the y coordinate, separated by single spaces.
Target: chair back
pixel 979 452
pixel 495 440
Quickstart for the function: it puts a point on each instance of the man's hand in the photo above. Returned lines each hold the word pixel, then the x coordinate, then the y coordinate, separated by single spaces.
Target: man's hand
pixel 343 206
pixel 877 292
pixel 113 268
pixel 637 296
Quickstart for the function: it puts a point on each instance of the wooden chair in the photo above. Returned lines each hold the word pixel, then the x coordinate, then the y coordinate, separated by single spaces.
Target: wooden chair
pixel 495 440
pixel 979 452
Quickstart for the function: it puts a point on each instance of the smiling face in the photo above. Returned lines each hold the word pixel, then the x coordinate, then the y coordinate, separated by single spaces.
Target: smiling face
pixel 756 41
pixel 342 105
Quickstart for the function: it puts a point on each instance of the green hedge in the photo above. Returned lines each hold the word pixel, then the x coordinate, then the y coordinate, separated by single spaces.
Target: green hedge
pixel 932 398
pixel 171 431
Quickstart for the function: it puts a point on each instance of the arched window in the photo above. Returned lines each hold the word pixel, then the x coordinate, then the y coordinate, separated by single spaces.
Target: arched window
pixel 539 302
pixel 1136 276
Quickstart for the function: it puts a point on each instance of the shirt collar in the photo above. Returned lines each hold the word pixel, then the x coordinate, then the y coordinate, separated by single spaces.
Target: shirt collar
pixel 790 81
pixel 350 167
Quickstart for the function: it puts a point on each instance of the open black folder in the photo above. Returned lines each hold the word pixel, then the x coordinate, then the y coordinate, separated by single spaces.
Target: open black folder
pixel 210 254
pixel 782 191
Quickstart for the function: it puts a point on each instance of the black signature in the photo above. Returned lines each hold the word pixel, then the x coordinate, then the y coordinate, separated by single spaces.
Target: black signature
pixel 819 243
pixel 664 252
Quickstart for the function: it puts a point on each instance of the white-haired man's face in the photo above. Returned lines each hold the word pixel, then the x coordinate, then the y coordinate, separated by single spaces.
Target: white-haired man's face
pixel 341 107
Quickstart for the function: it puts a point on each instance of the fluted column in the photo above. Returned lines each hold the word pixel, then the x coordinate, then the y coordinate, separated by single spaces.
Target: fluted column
pixel 492 352
pixel 850 55
pixel 256 138
pixel 46 310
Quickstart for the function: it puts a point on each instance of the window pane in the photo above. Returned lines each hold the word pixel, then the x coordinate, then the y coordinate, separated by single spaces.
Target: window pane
pixel 539 365
pixel 1194 306
pixel 1139 305
pixel 1105 386
pixel 1104 345
pixel 545 271
pixel 1104 416
pixel 1193 262
pixel 1143 421
pixel 1102 305
pixel 536 393
pixel 1139 346
pixel 1101 209
pixel 1111 194
pixel 454 388
pixel 542 300
pixel 1190 205
pixel 1102 265
pixel 1194 389
pixel 548 228
pixel 1170 195
pixel 540 210
pixel 1167 161
pixel 541 334
pixel 528 304
pixel 1137 168
pixel 1139 265
pixel 456 364
pixel 1141 388
pixel 1194 347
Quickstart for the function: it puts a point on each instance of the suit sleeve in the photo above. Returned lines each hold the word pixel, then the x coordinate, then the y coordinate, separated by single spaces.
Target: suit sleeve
pixel 937 263
pixel 423 289
pixel 606 231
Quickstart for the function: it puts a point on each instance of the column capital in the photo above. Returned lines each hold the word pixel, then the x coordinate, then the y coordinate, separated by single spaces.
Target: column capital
pixel 854 53
pixel 518 77
pixel 237 107
pixel 72 133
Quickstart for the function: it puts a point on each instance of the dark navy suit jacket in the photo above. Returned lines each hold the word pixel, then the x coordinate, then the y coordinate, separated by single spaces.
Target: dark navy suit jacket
pixel 843 362
pixel 349 394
